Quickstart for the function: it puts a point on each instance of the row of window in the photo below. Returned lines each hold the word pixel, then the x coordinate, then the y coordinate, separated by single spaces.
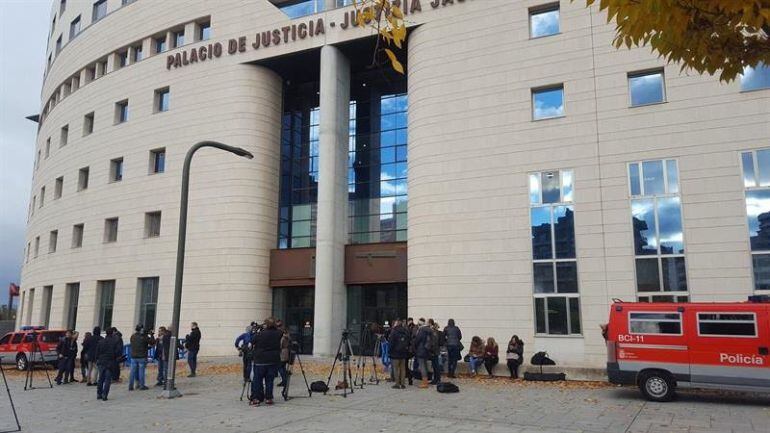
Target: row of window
pixel 161 103
pixel 145 310
pixel 710 324
pixel 659 245
pixel 110 234
pixel 157 165
pixel 125 56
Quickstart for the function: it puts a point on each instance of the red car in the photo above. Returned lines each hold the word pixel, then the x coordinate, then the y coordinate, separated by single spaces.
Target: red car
pixel 18 347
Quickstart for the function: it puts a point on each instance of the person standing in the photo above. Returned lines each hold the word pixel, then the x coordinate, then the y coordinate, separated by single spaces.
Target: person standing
pixel 63 349
pixel 192 342
pixel 285 341
pixel 93 369
pixel 267 355
pixel 491 357
pixel 400 341
pixel 108 350
pixel 140 344
pixel 514 355
pixel 84 358
pixel 411 328
pixel 423 349
pixel 242 344
pixel 116 366
pixel 73 356
pixel 162 344
pixel 453 337
pixel 435 352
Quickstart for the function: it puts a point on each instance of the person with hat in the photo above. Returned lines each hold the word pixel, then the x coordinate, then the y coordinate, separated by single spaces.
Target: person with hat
pixel 140 343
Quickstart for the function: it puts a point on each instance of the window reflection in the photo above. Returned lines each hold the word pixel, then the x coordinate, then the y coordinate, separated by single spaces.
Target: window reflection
pixel 749 177
pixel 543 277
pixel 633 173
pixel 670 225
pixel 544 21
pixel 564 231
pixel 646 88
pixel 551 187
pixel 645 231
pixel 761 263
pixel 758 212
pixel 566 277
pixel 653 177
pixel 755 78
pixel 763 162
pixel 647 276
pixel 674 274
pixel 548 103
pixel 541 233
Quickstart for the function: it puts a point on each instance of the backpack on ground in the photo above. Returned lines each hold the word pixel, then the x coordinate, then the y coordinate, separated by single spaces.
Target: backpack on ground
pixel 447 387
pixel 319 386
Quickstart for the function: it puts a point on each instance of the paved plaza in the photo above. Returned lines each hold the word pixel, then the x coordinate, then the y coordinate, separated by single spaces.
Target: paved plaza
pixel 211 404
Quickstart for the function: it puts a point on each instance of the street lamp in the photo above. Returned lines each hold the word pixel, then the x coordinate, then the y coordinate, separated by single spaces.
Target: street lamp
pixel 170 390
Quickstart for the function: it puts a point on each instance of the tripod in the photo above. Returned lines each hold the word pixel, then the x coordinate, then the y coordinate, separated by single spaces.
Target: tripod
pixel 344 352
pixel 31 365
pixel 289 371
pixel 361 363
pixel 10 399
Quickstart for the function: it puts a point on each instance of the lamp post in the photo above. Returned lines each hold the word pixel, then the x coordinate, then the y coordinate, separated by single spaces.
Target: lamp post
pixel 170 390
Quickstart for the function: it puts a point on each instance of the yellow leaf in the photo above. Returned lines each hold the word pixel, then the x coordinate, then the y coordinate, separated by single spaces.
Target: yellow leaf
pixel 397 66
pixel 396 12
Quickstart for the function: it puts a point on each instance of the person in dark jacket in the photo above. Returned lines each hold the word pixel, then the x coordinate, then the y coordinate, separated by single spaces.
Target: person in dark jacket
pixel 192 342
pixel 84 358
pixel 453 337
pixel 423 350
pixel 140 344
pixel 491 355
pixel 436 343
pixel 514 355
pixel 266 355
pixel 64 355
pixel 162 344
pixel 93 370
pixel 108 350
pixel 411 328
pixel 400 341
pixel 242 344
pixel 117 365
pixel 285 341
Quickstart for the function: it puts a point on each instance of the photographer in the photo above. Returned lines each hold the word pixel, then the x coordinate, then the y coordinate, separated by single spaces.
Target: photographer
pixel 266 353
pixel 242 345
pixel 140 344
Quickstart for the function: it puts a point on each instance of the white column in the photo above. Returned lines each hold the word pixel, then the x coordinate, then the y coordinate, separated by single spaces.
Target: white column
pixel 331 236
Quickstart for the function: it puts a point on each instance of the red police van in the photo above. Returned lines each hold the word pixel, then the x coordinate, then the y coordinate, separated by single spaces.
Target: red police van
pixel 662 346
pixel 27 344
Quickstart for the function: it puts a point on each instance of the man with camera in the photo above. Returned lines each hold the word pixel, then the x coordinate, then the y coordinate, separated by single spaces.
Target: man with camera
pixel 140 343
pixel 242 345
pixel 266 355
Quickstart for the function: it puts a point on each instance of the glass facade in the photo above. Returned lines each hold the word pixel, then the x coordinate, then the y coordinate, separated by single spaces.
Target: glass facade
pixel 656 216
pixel 756 180
pixel 554 255
pixel 377 166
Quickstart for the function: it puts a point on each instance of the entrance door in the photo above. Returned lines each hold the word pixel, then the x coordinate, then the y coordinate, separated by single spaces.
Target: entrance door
pixel 294 305
pixel 373 304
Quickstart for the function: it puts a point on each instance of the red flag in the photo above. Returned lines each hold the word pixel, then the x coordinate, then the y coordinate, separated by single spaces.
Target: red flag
pixel 13 290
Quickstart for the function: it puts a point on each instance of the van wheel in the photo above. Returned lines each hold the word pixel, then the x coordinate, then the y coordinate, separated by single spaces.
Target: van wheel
pixel 21 362
pixel 657 386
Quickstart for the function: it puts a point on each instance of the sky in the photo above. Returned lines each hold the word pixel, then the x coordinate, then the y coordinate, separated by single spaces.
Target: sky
pixel 23 33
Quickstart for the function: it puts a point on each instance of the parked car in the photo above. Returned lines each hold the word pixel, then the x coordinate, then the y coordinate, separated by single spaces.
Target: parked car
pixel 662 346
pixel 19 347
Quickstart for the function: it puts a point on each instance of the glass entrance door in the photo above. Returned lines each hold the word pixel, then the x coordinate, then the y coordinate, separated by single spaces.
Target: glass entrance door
pixel 294 305
pixel 373 304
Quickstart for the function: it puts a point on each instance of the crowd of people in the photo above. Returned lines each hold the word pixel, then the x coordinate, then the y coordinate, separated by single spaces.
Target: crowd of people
pixel 102 357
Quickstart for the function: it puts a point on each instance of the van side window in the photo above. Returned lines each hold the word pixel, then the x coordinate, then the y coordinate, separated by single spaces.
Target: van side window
pixel 29 337
pixel 655 323
pixel 5 339
pixel 727 324
pixel 17 338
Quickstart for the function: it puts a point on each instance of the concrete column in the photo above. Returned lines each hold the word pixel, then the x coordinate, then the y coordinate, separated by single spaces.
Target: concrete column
pixel 147 47
pixel 331 236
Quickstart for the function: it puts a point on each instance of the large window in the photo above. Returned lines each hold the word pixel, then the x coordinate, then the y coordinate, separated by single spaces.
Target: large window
pixel 148 301
pixel 544 20
pixel 75 27
pixel 756 181
pixel 106 293
pixel 755 78
pixel 110 230
pixel 554 259
pixel 377 170
pixel 656 216
pixel 72 296
pixel 727 324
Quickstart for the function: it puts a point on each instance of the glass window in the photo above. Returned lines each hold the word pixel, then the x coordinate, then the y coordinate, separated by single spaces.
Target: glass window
pixel 121 112
pixel 73 295
pixel 123 58
pixel 162 98
pixel 548 102
pixel 77 235
pixel 75 27
pixel 644 226
pixel 148 301
pixel 58 187
pixel 99 11
pixel 137 50
pixel 88 124
pixel 204 31
pixel 157 161
pixel 160 44
pixel 761 266
pixel 303 8
pixel 52 241
pixel 646 88
pixel 58 44
pixel 83 178
pixel 655 323
pixel 110 230
pixel 178 38
pixel 727 324
pixel 544 21
pixel 653 177
pixel 542 243
pixel 106 295
pixel 64 135
pixel 557 315
pixel 116 170
pixel 152 224
pixel 755 78
pixel 749 174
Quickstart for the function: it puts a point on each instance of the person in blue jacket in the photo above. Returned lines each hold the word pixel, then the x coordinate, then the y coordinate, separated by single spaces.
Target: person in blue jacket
pixel 242 344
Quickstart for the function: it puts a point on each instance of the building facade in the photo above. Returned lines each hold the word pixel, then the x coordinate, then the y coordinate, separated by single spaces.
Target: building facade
pixel 520 175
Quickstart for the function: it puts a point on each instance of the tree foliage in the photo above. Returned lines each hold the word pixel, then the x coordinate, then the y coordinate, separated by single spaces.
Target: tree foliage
pixel 387 19
pixel 704 35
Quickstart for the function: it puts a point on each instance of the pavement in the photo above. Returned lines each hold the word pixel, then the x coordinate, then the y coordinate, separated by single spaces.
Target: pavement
pixel 211 404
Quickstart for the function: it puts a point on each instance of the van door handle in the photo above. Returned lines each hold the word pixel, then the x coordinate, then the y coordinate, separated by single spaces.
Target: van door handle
pixel 763 351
